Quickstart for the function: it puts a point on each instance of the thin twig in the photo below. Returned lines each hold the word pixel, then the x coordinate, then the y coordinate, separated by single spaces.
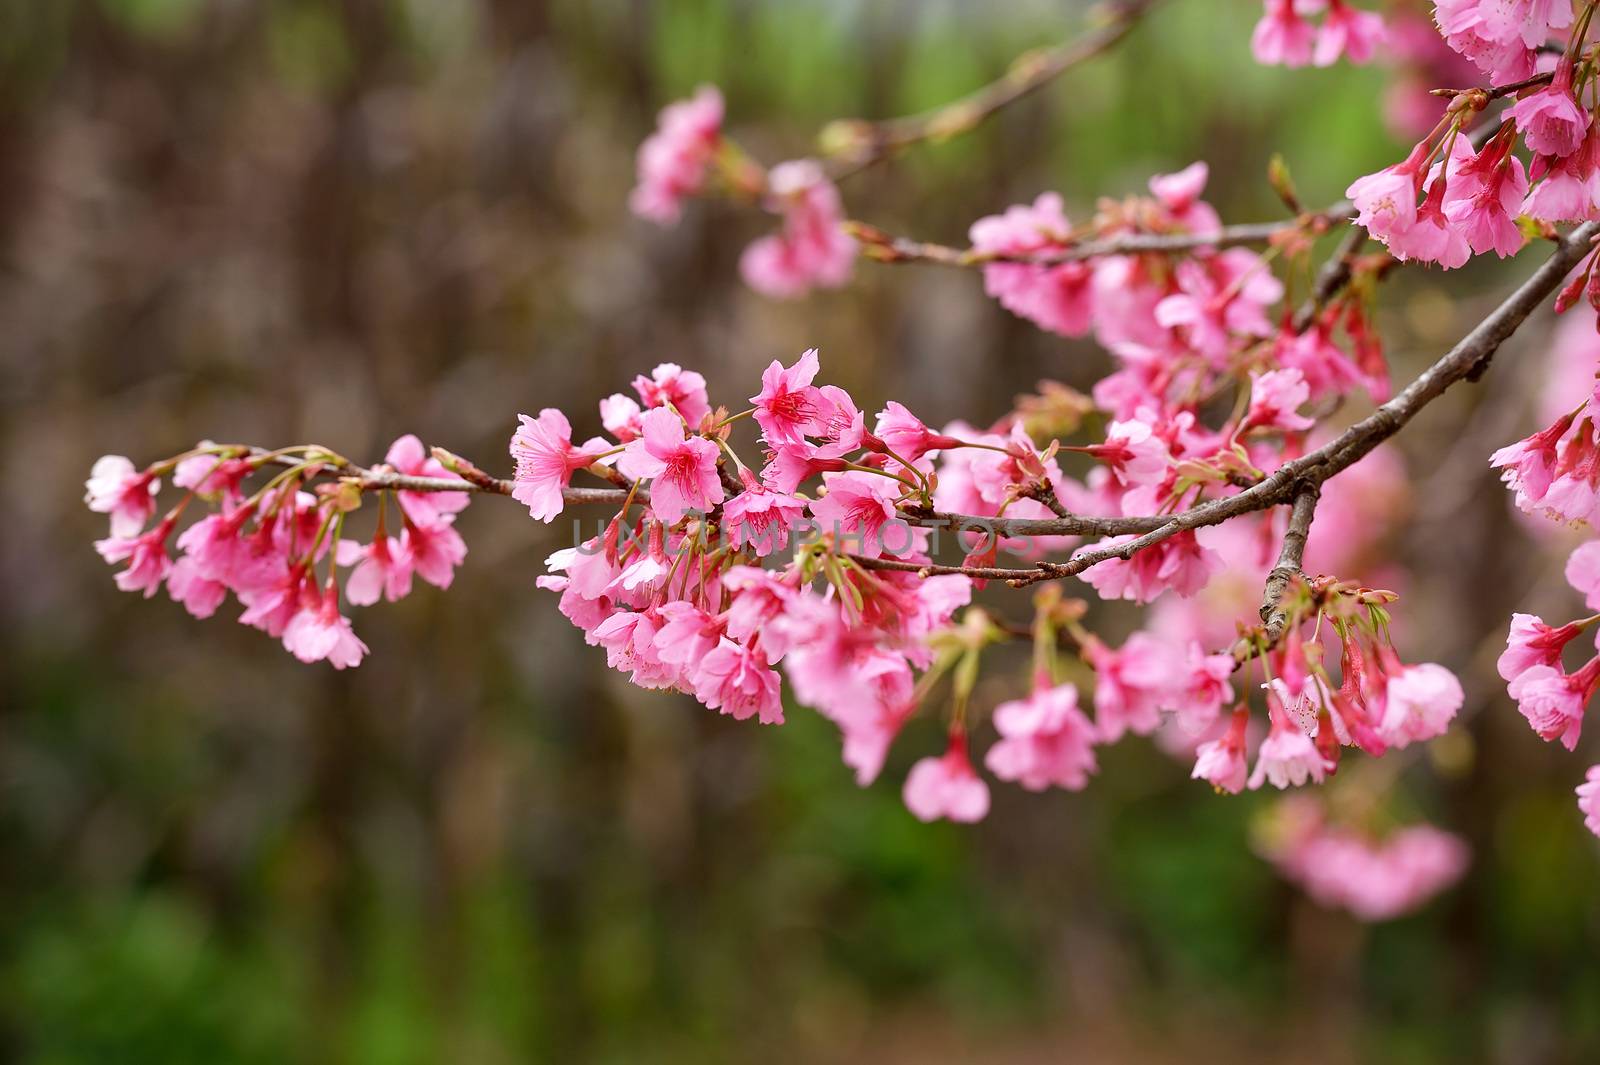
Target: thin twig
pixel 868 143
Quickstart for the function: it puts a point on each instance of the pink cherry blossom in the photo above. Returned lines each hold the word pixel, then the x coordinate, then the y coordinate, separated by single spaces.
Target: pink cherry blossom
pixel 1486 196
pixel 1533 643
pixel 1180 193
pixel 407 455
pixel 186 585
pixel 379 570
pixel 145 554
pixel 434 550
pixel 1347 31
pixel 1131 685
pixel 1528 466
pixel 1421 701
pixel 858 509
pixel 620 416
pixel 683 469
pixel 1056 298
pixel 1386 202
pixel 546 461
pixel 270 608
pixel 1219 299
pixel 1553 702
pixel 947 787
pixel 812 250
pixel 670 383
pixel 789 407
pixel 1180 563
pixel 1045 740
pixel 1583 572
pixel 1552 122
pixel 211 476
pixel 1287 757
pixel 1275 398
pixel 1202 688
pixel 739 681
pixel 673 159
pixel 1589 799
pixel 905 434
pixel 319 631
pixel 761 519
pixel 687 634
pixel 115 487
pixel 1221 762
pixel 1282 37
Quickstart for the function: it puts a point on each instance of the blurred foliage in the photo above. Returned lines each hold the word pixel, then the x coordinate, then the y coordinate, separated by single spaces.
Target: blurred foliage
pixel 351 218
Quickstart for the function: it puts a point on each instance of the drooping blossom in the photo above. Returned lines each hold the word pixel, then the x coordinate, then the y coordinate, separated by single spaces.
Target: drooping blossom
pixel 738 681
pixel 199 595
pixel 683 470
pixel 1386 202
pixel 1180 563
pixel 1533 643
pixel 1420 703
pixel 1551 121
pixel 1045 740
pixel 1221 762
pixel 1219 299
pixel 1583 572
pixel 1528 467
pixel 672 160
pixel 1287 757
pixel 812 250
pixel 905 434
pixel 1553 702
pixel 1283 37
pixel 1485 197
pixel 1275 400
pixel 1179 193
pixel 947 786
pixel 318 631
pixel 1348 31
pixel 434 550
pixel 1132 684
pixel 381 569
pixel 145 554
pixel 407 455
pixel 115 487
pixel 620 416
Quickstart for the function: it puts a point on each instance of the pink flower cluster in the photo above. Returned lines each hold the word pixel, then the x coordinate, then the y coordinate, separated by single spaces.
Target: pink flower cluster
pixel 1500 36
pixel 1555 474
pixel 1285 36
pixel 265 548
pixel 1374 879
pixel 811 250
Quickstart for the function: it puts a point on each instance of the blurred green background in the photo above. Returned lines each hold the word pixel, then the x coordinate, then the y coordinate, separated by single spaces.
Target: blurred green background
pixel 340 220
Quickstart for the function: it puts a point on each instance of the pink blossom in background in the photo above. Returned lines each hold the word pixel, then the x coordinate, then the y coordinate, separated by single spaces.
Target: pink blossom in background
pixel 1045 740
pixel 1350 32
pixel 670 384
pixel 1589 799
pixel 672 161
pixel 738 681
pixel 1275 398
pixel 1180 193
pixel 812 250
pixel 946 787
pixel 1375 879
pixel 1283 37
pixel 1056 298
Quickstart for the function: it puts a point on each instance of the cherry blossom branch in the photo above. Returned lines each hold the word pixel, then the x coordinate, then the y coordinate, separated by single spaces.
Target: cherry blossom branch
pixel 863 144
pixel 1310 471
pixel 884 247
pixel 1274 618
